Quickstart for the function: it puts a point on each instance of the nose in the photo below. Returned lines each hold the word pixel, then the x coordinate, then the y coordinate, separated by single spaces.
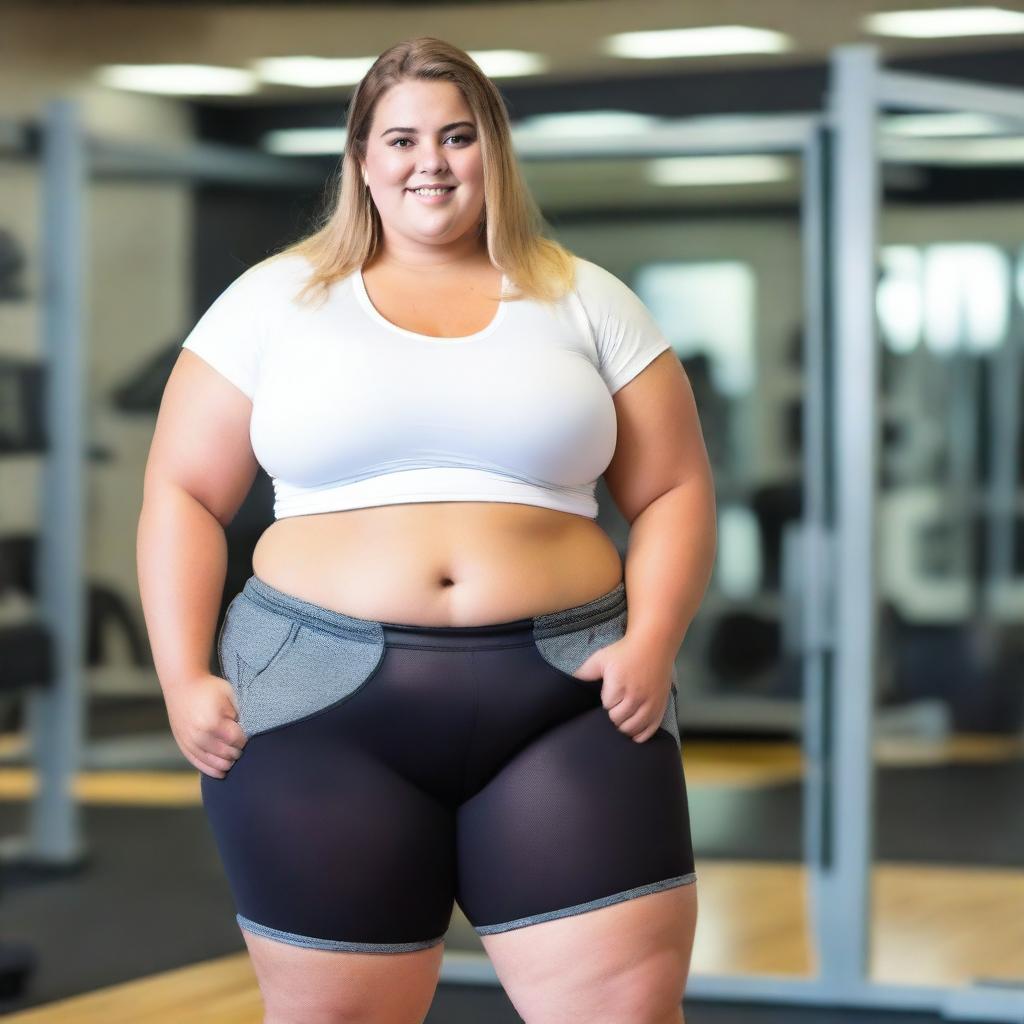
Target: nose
pixel 432 156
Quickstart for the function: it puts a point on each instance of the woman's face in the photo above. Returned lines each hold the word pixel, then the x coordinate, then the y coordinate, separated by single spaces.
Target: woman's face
pixel 423 133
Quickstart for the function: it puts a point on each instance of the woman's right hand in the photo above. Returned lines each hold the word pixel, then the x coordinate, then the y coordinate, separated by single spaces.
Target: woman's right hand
pixel 204 722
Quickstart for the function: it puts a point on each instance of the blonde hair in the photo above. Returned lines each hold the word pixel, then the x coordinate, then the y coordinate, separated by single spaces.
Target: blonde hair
pixel 349 230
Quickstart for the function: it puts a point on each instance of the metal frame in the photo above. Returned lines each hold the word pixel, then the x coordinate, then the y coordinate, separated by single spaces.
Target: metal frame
pixel 56 715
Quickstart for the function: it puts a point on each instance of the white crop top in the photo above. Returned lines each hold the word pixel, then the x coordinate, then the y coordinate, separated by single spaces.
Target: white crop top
pixel 350 410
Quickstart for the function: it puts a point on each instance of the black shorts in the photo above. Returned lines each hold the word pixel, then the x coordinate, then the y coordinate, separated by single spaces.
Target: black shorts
pixel 391 770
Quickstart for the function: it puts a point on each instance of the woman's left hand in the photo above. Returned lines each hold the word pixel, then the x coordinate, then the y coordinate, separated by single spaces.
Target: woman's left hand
pixel 637 684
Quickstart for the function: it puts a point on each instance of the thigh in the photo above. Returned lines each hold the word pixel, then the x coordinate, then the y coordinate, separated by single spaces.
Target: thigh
pixel 308 986
pixel 576 869
pixel 328 843
pixel 627 961
pixel 326 848
pixel 581 817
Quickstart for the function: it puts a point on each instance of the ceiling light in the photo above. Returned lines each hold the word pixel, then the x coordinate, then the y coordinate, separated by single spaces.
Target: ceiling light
pixel 509 63
pixel 946 21
pixel 305 141
pixel 717 170
pixel 313 72
pixel 585 123
pixel 696 42
pixel 953 124
pixel 178 79
pixel 309 72
pixel 1006 152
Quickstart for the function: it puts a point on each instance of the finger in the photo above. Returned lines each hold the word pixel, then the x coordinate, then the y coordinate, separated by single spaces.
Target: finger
pixel 214 760
pixel 625 709
pixel 225 749
pixel 637 721
pixel 611 698
pixel 224 740
pixel 224 764
pixel 229 732
pixel 643 737
pixel 202 766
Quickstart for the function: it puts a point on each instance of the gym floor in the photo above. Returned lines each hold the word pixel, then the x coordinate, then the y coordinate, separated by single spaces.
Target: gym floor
pixel 147 918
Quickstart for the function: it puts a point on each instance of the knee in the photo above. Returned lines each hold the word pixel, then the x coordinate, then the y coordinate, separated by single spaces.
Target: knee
pixel 652 993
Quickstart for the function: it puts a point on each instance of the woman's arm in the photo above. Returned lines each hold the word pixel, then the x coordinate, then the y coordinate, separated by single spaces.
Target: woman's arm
pixel 200 468
pixel 669 562
pixel 660 479
pixel 181 555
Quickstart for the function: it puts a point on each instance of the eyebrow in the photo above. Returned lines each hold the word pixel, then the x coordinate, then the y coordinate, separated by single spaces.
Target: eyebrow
pixel 444 128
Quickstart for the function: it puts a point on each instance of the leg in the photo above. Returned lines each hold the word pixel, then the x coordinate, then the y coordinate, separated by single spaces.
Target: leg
pixel 342 904
pixel 340 865
pixel 624 962
pixel 315 986
pixel 576 869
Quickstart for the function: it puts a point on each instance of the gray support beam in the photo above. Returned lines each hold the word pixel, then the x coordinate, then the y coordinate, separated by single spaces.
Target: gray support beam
pixel 1004 376
pixel 56 714
pixel 816 575
pixel 845 883
pixel 909 90
pixel 202 162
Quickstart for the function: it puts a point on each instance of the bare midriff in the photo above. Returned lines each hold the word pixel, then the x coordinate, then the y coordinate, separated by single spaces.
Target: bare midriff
pixel 449 563
pixel 439 563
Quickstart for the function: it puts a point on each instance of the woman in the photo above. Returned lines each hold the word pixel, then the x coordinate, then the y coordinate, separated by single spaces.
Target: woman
pixel 429 690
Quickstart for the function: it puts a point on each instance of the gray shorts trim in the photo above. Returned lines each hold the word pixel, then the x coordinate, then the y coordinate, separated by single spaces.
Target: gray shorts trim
pixel 335 944
pixel 568 620
pixel 582 908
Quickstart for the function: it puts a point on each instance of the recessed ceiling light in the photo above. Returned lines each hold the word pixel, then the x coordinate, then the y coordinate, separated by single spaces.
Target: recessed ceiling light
pixel 696 42
pixel 1007 152
pixel 304 141
pixel 585 123
pixel 312 72
pixel 953 124
pixel 946 21
pixel 717 170
pixel 178 79
pixel 509 63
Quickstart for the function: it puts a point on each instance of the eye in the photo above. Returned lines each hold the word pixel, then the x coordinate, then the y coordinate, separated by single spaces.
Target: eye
pixel 405 138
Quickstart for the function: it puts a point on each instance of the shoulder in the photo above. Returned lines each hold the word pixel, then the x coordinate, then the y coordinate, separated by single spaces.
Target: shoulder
pixel 589 276
pixel 279 271
pixel 602 293
pixel 265 287
pixel 595 283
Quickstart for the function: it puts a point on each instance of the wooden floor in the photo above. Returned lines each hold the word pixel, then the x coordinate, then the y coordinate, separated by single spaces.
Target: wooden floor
pixel 932 924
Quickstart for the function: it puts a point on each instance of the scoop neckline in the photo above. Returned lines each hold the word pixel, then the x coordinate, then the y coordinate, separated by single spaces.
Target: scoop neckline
pixel 364 298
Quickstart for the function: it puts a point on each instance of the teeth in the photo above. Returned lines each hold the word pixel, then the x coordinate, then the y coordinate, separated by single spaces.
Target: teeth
pixel 431 191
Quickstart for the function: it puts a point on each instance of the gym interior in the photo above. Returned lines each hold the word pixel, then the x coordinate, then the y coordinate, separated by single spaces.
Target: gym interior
pixel 822 206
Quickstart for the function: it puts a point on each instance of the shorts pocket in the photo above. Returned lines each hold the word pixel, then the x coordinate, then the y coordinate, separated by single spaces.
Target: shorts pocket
pixel 284 670
pixel 251 640
pixel 565 652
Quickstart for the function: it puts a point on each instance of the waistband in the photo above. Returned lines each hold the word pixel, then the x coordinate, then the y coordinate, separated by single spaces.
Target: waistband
pixel 556 623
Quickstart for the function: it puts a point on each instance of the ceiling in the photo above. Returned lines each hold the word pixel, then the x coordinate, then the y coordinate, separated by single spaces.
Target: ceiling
pixel 569 34
pixel 79 37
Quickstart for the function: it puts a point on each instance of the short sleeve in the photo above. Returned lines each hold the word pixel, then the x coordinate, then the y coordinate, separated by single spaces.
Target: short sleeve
pixel 626 335
pixel 229 335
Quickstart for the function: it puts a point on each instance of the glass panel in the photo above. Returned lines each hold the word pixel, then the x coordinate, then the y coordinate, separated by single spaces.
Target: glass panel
pixel 948 881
